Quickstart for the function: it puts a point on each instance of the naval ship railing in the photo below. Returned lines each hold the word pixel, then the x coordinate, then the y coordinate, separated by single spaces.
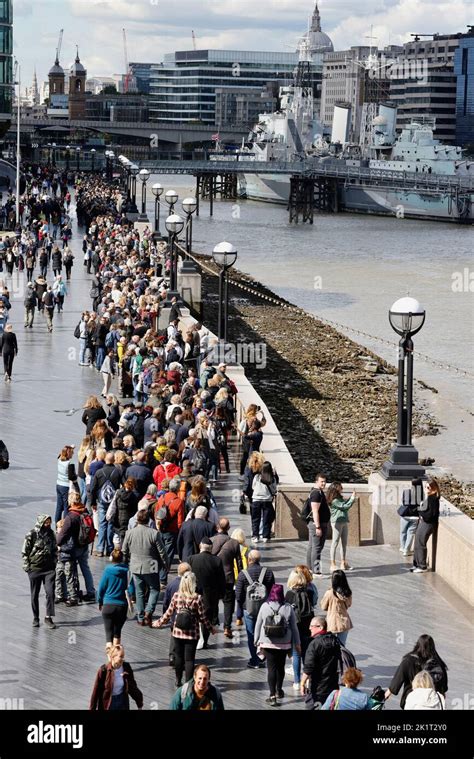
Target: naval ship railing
pixel 414 180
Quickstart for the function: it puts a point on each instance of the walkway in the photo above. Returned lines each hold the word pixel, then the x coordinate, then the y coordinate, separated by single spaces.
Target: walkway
pixel 55 670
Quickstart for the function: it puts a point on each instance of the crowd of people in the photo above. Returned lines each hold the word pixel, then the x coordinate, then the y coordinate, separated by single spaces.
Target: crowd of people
pixel 143 491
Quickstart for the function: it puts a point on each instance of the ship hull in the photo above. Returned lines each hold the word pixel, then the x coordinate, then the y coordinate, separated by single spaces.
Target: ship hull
pixel 274 188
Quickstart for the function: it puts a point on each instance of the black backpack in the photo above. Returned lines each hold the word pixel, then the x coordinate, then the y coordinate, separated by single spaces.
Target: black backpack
pixel 307 512
pixel 4 457
pixel 184 619
pixel 302 605
pixel 276 625
pixel 437 672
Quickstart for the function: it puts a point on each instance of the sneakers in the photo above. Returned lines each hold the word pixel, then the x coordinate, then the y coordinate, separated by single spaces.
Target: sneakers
pixel 317 575
pixel 251 665
pixel 265 540
pixel 272 701
pixel 72 602
pixel 48 622
pixel 89 597
pixel 36 623
pixel 419 570
pixel 297 687
pixel 408 553
pixel 255 540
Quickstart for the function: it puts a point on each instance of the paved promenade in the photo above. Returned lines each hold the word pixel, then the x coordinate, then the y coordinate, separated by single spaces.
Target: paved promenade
pixel 56 669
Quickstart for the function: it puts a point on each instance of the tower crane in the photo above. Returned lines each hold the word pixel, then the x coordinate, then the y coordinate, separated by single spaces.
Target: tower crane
pixel 194 39
pixel 127 71
pixel 60 42
pixel 419 35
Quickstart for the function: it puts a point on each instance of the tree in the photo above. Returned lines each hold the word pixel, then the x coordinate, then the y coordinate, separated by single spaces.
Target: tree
pixel 109 89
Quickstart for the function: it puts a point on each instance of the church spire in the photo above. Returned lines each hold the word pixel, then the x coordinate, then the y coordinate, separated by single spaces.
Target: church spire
pixel 34 89
pixel 77 54
pixel 316 20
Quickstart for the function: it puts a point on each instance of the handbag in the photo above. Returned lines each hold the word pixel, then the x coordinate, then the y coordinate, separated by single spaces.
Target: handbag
pixel 335 700
pixel 130 606
pixel 242 505
pixel 407 510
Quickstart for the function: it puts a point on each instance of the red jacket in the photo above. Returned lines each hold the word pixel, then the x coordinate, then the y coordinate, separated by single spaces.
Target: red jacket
pixel 102 692
pixel 165 471
pixel 175 507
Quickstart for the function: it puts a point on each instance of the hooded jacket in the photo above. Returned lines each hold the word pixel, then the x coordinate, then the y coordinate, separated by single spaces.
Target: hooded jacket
pixel 68 536
pixel 165 471
pixel 321 663
pixel 39 549
pixel 424 699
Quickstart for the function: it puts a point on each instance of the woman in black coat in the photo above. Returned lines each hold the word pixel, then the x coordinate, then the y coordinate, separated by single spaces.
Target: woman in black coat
pixel 427 526
pixel 9 349
pixel 424 656
pixel 93 411
pixel 113 414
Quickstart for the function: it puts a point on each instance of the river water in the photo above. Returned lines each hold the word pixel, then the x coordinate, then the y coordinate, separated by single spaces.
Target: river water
pixel 349 269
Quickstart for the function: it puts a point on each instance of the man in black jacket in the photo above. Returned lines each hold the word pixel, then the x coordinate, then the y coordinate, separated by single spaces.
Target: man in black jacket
pixel 254 570
pixel 192 532
pixel 39 554
pixel 104 485
pixel 322 663
pixel 30 304
pixel 211 582
pixel 228 550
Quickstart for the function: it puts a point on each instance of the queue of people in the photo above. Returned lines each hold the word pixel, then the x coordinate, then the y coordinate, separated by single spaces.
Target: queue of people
pixel 144 492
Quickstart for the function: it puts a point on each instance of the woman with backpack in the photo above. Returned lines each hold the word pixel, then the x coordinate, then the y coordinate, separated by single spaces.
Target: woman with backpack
pixel 302 601
pixel 276 636
pixel 339 508
pixel 424 656
pixel 428 512
pixel 187 606
pixel 336 602
pixel 264 487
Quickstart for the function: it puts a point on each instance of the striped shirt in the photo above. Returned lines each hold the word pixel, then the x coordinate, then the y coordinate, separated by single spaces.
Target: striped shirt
pixel 195 605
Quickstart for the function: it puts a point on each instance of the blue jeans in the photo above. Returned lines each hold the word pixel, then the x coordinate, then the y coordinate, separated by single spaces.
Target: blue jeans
pixel 142 582
pixel 100 356
pixel 82 489
pixel 82 350
pixel 342 637
pixel 407 532
pixel 250 627
pixel 105 542
pixel 62 492
pixel 169 539
pixel 299 658
pixel 82 558
pixel 262 510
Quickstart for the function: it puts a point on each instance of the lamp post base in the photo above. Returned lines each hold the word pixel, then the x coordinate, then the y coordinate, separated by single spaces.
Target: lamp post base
pixel 402 464
pixel 189 267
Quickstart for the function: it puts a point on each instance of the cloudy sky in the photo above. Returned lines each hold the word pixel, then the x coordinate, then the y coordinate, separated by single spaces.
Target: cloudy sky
pixel 155 27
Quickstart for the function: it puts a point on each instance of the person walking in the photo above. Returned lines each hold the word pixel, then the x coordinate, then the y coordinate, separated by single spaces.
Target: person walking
pixel 264 488
pixel 30 303
pixel 143 549
pixel 112 599
pixel 228 550
pixel 9 350
pixel 336 602
pixel 339 508
pixel 57 261
pixel 188 609
pixel 68 262
pixel 276 635
pixel 80 554
pixel 114 684
pixel 303 602
pixel 39 552
pixel 318 520
pixel 170 507
pixel 211 582
pixel 252 588
pixel 48 304
pixel 322 664
pixel 423 656
pixel 66 473
pixel 60 291
pixel 198 694
pixel 427 526
pixel 103 489
pixel 192 532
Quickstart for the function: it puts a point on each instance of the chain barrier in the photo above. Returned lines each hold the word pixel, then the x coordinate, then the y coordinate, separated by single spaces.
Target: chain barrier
pixel 337 325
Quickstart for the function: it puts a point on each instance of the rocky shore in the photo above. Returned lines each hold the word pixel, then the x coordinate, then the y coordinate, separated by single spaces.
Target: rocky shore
pixel 334 402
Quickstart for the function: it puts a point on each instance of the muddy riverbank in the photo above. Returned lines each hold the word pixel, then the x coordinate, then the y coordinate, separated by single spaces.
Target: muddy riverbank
pixel 334 401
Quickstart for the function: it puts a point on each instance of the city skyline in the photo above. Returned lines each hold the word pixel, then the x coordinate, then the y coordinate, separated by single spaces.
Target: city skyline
pixel 96 25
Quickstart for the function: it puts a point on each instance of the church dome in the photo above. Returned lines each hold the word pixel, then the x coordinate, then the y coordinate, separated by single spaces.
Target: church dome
pixel 77 69
pixel 56 69
pixel 318 41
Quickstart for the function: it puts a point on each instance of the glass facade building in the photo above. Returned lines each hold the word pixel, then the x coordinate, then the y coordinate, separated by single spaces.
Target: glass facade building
pixel 6 64
pixel 464 70
pixel 183 87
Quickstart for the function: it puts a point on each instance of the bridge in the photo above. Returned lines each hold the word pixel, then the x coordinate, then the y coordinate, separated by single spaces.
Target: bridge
pixel 173 133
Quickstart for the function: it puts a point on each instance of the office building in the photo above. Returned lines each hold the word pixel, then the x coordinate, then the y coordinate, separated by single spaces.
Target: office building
pixel 464 71
pixel 6 64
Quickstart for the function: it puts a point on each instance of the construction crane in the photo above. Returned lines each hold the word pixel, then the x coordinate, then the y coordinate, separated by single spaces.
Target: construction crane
pixel 194 39
pixel 417 36
pixel 126 81
pixel 60 42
